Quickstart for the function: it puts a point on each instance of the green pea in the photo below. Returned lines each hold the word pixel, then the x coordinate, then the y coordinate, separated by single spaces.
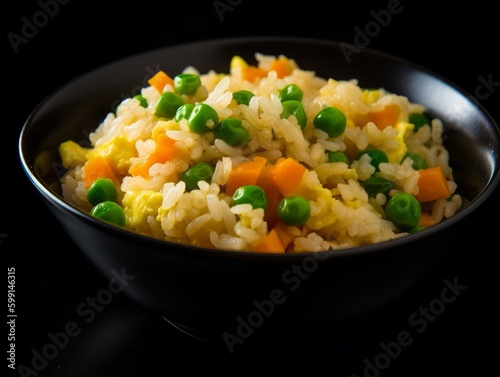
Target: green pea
pixel 418 161
pixel 203 118
pixel 168 104
pixel 376 185
pixel 417 228
pixel 294 210
pixel 186 83
pixel 143 101
pixel 291 92
pixel 250 194
pixel 201 171
pixel 232 132
pixel 183 112
pixel 110 212
pixel 377 157
pixel 337 156
pixel 331 120
pixel 418 120
pixel 294 107
pixel 243 96
pixel 403 210
pixel 102 190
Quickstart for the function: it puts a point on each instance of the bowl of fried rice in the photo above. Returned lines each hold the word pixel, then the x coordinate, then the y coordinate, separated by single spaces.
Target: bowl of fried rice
pixel 261 190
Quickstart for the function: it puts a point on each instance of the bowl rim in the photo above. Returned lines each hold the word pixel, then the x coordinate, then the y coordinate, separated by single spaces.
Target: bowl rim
pixel 160 245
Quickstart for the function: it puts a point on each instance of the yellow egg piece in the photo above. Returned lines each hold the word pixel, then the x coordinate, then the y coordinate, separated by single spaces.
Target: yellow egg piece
pixel 395 155
pixel 237 62
pixel 139 206
pixel 72 154
pixel 117 152
pixel 370 95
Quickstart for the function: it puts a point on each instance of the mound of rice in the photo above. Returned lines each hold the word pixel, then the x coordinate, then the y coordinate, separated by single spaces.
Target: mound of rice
pixel 342 214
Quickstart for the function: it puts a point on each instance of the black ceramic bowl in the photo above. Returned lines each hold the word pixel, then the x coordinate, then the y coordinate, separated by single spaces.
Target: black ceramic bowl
pixel 237 298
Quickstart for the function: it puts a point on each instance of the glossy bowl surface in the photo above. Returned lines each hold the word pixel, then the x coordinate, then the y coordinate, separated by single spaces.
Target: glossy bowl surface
pixel 238 298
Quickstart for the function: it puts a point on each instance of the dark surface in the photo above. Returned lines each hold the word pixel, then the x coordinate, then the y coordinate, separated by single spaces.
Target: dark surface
pixel 54 280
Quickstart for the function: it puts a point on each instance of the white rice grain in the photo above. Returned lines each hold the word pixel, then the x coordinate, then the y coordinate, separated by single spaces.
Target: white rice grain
pixel 228 242
pixel 241 208
pixel 198 224
pixel 172 193
pixel 213 205
pixel 226 149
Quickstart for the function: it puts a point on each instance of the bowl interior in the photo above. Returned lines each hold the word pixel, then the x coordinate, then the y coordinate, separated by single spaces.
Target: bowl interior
pixel 76 109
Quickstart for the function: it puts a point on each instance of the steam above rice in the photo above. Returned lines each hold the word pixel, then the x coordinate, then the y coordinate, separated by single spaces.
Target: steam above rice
pixel 343 214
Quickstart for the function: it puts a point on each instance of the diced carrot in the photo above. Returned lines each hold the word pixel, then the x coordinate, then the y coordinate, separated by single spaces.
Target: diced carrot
pixel 165 151
pixel 284 234
pixel 282 66
pixel 270 244
pixel 273 196
pixel 159 80
pixel 388 116
pixel 97 167
pixel 246 173
pixel 426 220
pixel 165 148
pixel 287 175
pixel 432 185
pixel 252 73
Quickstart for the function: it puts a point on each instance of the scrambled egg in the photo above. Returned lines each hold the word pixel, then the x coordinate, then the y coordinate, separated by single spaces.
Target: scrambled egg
pixel 395 155
pixel 141 206
pixel 117 152
pixel 368 96
pixel 237 62
pixel 72 154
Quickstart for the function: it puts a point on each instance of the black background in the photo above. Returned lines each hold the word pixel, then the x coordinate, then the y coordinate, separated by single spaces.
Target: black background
pixel 53 278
